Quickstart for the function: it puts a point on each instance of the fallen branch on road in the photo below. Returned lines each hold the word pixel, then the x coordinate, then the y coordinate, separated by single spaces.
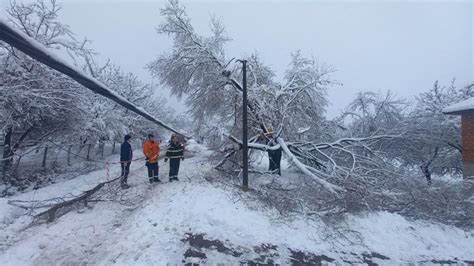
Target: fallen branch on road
pixel 59 209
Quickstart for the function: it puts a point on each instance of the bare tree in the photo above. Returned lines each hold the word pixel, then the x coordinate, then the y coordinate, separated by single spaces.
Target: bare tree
pixel 437 136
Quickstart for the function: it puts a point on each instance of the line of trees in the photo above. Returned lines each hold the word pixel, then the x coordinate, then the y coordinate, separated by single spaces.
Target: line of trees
pixel 38 104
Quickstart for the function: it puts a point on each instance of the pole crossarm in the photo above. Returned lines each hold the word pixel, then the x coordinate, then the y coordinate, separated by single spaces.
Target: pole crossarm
pixel 39 52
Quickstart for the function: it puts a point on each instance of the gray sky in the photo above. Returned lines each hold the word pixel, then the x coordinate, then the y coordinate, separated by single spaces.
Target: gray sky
pixel 403 46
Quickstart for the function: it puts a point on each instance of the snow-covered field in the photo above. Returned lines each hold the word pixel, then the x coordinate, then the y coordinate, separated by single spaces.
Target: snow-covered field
pixel 172 223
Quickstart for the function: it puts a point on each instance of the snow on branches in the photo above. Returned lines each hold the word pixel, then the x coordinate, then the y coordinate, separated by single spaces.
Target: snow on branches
pixel 197 69
pixel 38 102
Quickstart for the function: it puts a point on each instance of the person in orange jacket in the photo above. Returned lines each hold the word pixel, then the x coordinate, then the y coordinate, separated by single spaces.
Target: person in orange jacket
pixel 151 149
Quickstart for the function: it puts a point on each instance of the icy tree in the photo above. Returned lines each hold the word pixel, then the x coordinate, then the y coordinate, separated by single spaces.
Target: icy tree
pixel 40 105
pixel 196 68
pixel 436 136
pixel 36 102
pixel 107 119
pixel 374 113
pixel 427 138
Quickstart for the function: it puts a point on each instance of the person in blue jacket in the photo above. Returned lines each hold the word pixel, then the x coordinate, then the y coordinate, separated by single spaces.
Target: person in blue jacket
pixel 126 155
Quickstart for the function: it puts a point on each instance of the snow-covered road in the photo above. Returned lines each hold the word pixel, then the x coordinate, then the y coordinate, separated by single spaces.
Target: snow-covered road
pixel 150 223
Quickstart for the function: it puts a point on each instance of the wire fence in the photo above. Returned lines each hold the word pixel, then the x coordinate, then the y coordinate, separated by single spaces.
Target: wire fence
pixel 50 155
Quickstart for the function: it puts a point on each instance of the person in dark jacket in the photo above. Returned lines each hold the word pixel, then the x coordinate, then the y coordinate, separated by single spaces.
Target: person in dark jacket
pixel 126 155
pixel 274 156
pixel 175 155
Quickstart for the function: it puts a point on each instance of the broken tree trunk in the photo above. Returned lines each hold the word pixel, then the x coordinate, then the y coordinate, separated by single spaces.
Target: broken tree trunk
pixel 330 187
pixel 62 208
pixel 282 145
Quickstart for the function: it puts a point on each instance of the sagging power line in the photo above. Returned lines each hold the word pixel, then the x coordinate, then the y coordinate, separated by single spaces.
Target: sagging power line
pixel 40 53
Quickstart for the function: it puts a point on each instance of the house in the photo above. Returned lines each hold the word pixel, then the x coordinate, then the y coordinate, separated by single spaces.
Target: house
pixel 466 110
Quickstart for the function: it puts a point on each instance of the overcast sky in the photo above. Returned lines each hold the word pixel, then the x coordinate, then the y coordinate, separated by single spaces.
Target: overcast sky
pixel 403 46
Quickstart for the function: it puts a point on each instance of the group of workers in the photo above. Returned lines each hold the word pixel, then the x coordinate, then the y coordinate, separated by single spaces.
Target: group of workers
pixel 151 149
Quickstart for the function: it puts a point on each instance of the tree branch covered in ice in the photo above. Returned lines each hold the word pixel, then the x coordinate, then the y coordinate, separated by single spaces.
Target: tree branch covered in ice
pixel 37 101
pixel 197 69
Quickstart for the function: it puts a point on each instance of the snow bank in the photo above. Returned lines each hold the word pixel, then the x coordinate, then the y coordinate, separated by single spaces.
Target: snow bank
pixel 407 241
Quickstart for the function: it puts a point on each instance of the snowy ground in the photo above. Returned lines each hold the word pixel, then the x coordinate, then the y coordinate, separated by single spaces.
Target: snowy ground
pixel 152 225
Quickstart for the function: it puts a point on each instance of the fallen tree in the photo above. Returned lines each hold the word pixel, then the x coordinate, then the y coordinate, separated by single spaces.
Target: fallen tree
pixel 59 209
pixel 58 206
pixel 196 68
